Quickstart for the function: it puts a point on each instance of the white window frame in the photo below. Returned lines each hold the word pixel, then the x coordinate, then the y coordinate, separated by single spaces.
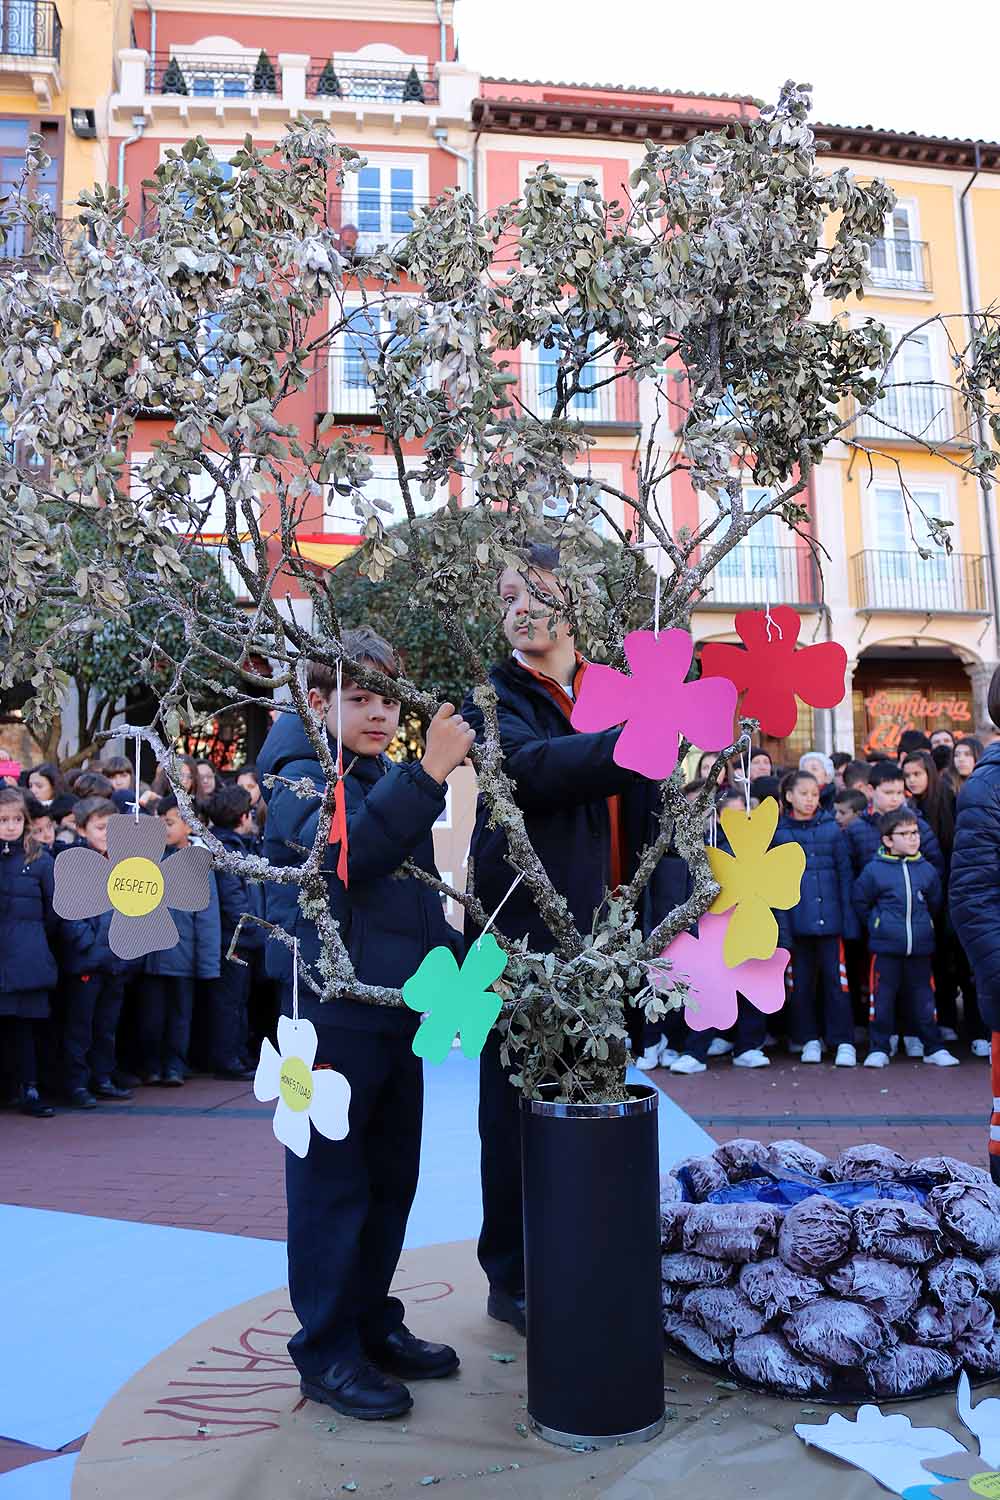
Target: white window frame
pixel 376 55
pixel 370 240
pixel 746 575
pixel 195 61
pixel 351 400
pixel 574 173
pixel 215 522
pixel 443 819
pixel 383 485
pixel 895 276
pixel 899 574
pixel 927 411
pixel 612 474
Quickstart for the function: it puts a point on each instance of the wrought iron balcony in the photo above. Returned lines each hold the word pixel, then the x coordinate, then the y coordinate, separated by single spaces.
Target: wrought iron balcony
pixel 609 396
pixel 754 575
pixel 398 83
pixel 30 28
pixel 198 76
pixel 912 413
pixel 955 583
pixel 900 265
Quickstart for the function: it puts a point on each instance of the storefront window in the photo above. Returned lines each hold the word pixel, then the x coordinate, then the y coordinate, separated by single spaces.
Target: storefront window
pixel 884 709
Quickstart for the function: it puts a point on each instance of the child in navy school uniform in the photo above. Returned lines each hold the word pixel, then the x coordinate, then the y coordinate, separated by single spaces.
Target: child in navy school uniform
pixel 348 1200
pixel 814 928
pixel 93 983
pixel 171 975
pixel 898 895
pixel 27 930
pixel 230 812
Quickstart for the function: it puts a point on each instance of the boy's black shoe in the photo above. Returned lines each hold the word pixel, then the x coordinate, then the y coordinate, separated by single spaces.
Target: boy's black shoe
pixel 105 1089
pixel 356 1389
pixel 235 1074
pixel 172 1081
pixel 82 1099
pixel 152 1080
pixel 507 1307
pixel 30 1104
pixel 404 1355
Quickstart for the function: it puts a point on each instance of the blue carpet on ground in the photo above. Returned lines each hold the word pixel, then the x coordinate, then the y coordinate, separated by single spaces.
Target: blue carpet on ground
pixel 49 1479
pixel 89 1301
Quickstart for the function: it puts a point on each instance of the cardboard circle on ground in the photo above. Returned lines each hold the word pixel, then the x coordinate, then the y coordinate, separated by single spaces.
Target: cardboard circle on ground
pixel 219 1414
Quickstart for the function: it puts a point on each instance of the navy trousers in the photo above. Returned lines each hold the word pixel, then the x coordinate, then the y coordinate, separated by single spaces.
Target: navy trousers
pixel 902 987
pixel 816 971
pixel 501 1243
pixel 227 1000
pixel 349 1200
pixel 165 1023
pixel 91 1006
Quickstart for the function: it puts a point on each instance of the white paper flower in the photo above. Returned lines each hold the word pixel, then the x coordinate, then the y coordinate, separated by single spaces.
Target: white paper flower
pixel 889 1448
pixel 303 1093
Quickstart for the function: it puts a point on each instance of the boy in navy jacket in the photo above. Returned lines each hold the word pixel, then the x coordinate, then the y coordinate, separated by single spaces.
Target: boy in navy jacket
pixel 93 983
pixel 898 895
pixel 230 812
pixel 864 834
pixel 349 1200
pixel 168 1002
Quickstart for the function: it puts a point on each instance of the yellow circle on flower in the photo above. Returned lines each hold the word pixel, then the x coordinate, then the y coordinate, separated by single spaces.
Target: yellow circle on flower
pixel 295 1082
pixel 135 886
pixel 986 1484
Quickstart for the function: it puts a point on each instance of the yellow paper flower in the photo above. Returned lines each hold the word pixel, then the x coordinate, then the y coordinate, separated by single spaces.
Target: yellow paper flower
pixel 754 878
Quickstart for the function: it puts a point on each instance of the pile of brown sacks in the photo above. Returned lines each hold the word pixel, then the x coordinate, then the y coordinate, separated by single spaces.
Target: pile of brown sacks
pixel 889 1297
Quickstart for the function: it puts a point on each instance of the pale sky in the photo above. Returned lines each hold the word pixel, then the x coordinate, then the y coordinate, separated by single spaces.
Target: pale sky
pixel 924 65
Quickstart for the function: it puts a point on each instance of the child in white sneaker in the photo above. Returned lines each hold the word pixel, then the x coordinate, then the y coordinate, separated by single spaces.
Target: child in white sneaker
pixel 897 895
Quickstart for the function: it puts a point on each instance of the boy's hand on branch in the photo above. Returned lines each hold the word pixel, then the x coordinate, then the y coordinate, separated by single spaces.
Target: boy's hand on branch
pixel 449 740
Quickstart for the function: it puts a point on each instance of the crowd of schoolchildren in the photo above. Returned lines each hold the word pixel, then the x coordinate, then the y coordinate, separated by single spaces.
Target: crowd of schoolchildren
pixel 78 1023
pixel 870 934
pixel 874 957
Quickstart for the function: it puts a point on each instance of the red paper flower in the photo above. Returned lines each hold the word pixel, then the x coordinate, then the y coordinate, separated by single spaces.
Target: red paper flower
pixel 772 672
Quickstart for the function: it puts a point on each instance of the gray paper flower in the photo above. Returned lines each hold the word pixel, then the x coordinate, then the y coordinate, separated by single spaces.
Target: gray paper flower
pixel 135 882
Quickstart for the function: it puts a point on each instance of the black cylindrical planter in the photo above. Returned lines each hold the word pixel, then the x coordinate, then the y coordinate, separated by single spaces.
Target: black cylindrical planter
pixel 592 1269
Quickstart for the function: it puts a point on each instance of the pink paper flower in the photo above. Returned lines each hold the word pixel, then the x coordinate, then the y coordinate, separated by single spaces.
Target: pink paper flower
pixel 713 986
pixel 655 703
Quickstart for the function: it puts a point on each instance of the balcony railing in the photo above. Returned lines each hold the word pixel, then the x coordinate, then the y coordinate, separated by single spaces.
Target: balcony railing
pixel 198 75
pixel 349 392
pixel 763 575
pixel 366 222
pixel 911 413
pixel 398 83
pixel 953 583
pixel 900 265
pixel 609 397
pixel 30 28
pixel 201 77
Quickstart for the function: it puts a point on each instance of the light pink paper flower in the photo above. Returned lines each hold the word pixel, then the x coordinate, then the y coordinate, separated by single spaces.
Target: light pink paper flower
pixel 713 986
pixel 655 703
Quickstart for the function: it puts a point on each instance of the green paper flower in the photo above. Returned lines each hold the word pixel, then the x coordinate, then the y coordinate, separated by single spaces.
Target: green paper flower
pixel 459 1001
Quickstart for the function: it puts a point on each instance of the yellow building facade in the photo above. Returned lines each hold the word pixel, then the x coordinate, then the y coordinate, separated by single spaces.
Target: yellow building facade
pixel 57 62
